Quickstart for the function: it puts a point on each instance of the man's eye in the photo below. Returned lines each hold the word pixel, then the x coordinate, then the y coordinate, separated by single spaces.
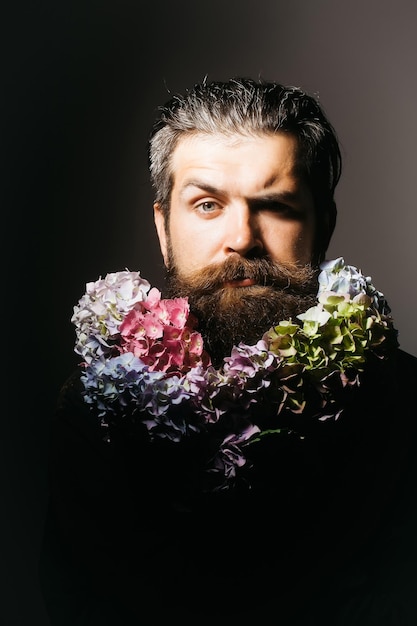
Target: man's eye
pixel 276 207
pixel 207 207
pixel 284 210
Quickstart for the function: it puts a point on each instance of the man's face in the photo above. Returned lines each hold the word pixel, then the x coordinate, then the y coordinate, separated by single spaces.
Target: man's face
pixel 238 207
pixel 237 196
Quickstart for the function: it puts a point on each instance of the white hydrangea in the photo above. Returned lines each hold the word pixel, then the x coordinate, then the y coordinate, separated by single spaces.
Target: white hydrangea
pixel 338 277
pixel 100 311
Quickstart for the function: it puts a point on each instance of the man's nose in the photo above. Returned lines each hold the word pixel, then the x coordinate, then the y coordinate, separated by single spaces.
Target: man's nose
pixel 242 232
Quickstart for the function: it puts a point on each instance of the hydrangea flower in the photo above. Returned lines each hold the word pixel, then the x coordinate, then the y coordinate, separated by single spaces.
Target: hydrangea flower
pixel 101 310
pixel 144 358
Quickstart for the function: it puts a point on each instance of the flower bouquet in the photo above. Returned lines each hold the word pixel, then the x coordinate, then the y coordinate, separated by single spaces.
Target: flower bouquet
pixel 143 358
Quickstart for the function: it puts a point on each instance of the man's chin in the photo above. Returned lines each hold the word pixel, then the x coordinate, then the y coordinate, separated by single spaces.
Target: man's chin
pixel 235 296
pixel 243 314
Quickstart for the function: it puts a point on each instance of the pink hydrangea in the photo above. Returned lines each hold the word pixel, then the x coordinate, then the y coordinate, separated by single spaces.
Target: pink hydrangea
pixel 162 334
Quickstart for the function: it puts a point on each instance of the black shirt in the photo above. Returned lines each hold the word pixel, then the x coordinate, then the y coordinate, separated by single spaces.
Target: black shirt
pixel 325 536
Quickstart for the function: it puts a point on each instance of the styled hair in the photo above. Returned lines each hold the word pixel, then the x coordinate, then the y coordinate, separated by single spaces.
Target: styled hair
pixel 248 107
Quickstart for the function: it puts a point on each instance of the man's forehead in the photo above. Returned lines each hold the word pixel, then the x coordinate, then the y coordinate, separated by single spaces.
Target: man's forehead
pixel 206 160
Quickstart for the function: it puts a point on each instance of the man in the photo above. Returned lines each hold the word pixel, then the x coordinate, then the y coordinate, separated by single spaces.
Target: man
pixel 316 525
pixel 244 192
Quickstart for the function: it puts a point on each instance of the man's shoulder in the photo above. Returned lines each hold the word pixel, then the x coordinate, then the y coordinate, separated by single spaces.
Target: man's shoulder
pixel 70 392
pixel 74 420
pixel 406 372
pixel 407 359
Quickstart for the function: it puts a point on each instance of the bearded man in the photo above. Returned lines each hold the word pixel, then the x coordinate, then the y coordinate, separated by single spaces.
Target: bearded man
pixel 316 525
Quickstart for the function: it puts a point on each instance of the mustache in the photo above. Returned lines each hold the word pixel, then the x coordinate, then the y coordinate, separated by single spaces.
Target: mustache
pixel 263 271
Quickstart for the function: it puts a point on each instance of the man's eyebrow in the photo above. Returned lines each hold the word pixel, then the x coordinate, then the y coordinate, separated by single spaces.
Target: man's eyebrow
pixel 275 196
pixel 202 185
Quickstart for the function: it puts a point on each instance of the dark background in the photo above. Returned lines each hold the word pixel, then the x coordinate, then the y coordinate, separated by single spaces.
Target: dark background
pixel 80 85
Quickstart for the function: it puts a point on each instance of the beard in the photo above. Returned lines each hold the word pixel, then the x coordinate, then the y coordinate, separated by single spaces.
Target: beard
pixel 229 314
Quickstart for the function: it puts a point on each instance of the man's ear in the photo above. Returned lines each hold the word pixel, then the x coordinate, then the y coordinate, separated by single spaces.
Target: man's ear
pixel 159 219
pixel 331 220
pixel 326 227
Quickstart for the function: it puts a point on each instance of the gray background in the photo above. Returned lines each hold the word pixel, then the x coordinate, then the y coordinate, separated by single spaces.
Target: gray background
pixel 81 82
